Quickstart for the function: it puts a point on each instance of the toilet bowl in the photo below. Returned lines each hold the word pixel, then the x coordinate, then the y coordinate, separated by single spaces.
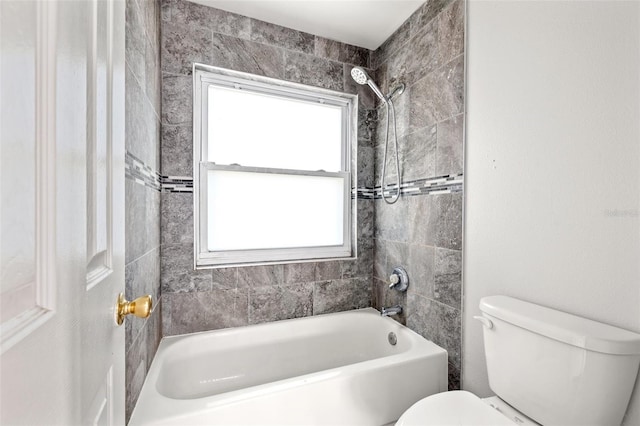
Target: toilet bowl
pixel 462 408
pixel 552 367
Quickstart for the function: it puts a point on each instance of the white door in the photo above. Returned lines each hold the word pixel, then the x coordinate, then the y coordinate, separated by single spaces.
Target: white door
pixel 61 211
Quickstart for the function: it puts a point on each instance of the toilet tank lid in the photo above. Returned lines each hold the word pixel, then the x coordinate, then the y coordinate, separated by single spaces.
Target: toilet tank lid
pixel 561 326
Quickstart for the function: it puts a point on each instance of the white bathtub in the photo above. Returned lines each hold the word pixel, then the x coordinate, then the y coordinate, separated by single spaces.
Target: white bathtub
pixel 335 369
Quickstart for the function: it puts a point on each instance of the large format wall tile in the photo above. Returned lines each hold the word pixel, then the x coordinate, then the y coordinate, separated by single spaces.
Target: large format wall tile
pixel 177 150
pixel 341 295
pixel 192 32
pixel 242 55
pixel 191 15
pixel 182 46
pixel 265 32
pixel 314 71
pixel 423 232
pixel 279 302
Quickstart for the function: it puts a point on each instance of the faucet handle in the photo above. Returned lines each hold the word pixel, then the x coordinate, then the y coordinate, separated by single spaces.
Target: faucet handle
pixel 399 280
pixel 393 280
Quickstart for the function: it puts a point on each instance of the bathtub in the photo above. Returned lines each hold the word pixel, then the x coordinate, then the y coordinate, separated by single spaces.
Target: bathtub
pixel 334 369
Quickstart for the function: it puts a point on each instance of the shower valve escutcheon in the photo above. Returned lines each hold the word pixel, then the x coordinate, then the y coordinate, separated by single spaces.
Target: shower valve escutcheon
pixel 399 280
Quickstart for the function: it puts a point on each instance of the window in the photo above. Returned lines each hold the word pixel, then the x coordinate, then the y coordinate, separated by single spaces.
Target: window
pixel 273 175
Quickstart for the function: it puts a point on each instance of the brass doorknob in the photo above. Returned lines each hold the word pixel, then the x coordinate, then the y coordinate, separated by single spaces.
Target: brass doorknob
pixel 140 307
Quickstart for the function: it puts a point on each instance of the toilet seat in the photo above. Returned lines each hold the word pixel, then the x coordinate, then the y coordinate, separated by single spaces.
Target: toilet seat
pixel 454 408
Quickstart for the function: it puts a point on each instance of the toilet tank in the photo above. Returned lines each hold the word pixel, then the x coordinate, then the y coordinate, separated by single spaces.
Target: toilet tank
pixel 558 368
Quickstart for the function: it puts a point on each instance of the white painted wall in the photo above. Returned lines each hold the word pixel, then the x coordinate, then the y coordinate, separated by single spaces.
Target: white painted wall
pixel 552 164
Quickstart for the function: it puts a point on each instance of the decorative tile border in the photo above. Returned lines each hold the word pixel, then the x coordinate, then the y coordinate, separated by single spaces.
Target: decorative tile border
pixel 145 175
pixel 177 184
pixel 437 185
pixel 139 172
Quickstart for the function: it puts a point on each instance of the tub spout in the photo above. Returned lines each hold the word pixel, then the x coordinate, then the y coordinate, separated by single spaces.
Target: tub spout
pixel 391 311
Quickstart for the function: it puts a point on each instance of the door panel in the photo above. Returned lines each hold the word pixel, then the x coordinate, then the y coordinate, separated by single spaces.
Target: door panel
pixel 61 211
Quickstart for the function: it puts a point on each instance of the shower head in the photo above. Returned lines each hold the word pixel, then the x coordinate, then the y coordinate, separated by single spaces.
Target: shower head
pixel 361 77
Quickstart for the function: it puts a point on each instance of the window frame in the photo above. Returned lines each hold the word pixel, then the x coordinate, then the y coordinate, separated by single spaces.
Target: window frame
pixel 203 77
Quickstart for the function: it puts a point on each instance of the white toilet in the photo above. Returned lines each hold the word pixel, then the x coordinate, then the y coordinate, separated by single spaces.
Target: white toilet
pixel 546 367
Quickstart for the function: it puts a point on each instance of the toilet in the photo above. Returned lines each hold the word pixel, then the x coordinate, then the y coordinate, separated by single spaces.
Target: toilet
pixel 546 367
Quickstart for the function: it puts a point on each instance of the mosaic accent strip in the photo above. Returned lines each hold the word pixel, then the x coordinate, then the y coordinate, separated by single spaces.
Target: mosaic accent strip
pixel 144 175
pixel 177 184
pixel 136 170
pixel 437 185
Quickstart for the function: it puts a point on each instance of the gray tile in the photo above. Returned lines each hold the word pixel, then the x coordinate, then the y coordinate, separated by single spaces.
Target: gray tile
pixel 418 154
pixel 247 56
pixel 391 220
pixel 142 276
pixel 453 377
pixel 380 259
pixel 355 55
pixel 366 164
pixel 142 226
pixel 451 32
pixel 135 216
pixel 188 313
pixel 177 103
pixel 165 313
pixel 226 308
pixel 135 40
pixel 152 76
pixel 425 14
pixel 423 56
pixel 415 59
pixel 165 10
pixel 365 219
pixel 177 273
pixel 341 295
pixel 177 218
pixel 397 255
pixel 438 96
pixel 260 276
pixel 280 302
pixel 265 32
pixel 449 154
pixel 152 219
pixel 195 312
pixel 150 11
pixel 224 278
pixel 448 277
pixel 392 44
pixel 418 211
pixel 444 227
pixel 328 270
pixel 142 128
pixel 135 373
pixel 421 270
pixel 367 122
pixel 182 46
pixel 188 14
pixel 177 150
pixel 314 71
pixel 326 48
pixel 299 272
pixel 153 333
pixel 436 322
pixel 360 267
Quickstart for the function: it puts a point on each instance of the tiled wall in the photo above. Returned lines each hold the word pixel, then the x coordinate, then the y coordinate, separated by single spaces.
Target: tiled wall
pixel 423 232
pixel 218 298
pixel 142 222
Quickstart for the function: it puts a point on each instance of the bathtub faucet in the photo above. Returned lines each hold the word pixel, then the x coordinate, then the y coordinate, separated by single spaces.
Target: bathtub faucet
pixel 391 311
